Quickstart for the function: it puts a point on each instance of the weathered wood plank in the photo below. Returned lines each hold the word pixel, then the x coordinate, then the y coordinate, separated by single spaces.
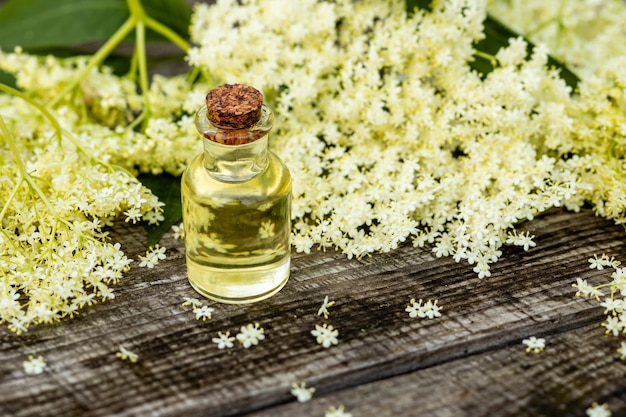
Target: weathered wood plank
pixel 576 369
pixel 181 372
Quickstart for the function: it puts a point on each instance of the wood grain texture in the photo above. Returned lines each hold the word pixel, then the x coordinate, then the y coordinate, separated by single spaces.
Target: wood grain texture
pixel 468 362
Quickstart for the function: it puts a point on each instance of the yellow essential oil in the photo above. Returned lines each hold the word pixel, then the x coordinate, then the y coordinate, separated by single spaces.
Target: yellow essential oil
pixel 236 199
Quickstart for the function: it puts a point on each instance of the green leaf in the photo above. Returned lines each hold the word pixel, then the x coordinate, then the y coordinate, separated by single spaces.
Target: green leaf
pixel 41 24
pixel 7 79
pixel 411 5
pixel 167 188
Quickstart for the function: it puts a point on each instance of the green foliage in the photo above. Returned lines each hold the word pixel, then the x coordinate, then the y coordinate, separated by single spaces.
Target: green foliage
pixel 167 188
pixel 411 5
pixel 43 25
pixel 7 79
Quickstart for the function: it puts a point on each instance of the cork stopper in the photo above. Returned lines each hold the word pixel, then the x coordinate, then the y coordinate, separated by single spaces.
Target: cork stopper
pixel 234 106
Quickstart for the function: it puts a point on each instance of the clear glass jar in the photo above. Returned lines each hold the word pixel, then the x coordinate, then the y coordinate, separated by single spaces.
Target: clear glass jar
pixel 236 202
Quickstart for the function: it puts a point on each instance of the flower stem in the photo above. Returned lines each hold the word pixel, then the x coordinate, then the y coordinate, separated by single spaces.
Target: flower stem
pixel 142 66
pixel 25 176
pixel 55 124
pixel 492 59
pixel 166 32
pixel 99 56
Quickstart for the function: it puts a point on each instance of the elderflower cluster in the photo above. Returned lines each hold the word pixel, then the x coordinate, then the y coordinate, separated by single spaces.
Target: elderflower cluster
pixel 589 37
pixel 101 115
pixel 583 34
pixel 388 133
pixel 614 304
pixel 391 137
pixel 54 254
pixel 68 173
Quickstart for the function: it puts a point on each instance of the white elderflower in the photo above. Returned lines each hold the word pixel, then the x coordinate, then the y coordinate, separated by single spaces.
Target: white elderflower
pixel 126 355
pixel 337 412
pixel 325 335
pixel 414 308
pixel 586 290
pixel 250 335
pixel 178 231
pixel 524 240
pixel 534 344
pixel 597 410
pixel 323 310
pixel 613 325
pixel 34 366
pixel 191 302
pixel 203 313
pixel 301 392
pixel 153 256
pixel 602 262
pixel 429 309
pixel 223 340
pixel 133 215
pixel 154 217
pixel 612 305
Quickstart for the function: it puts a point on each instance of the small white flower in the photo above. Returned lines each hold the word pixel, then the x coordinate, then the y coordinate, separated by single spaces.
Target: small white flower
pixel 597 410
pixel 193 302
pixel 154 217
pixel 34 366
pixel 414 308
pixel 612 305
pixel 337 412
pixel 126 354
pixel 301 392
pixel 613 325
pixel 250 335
pixel 133 215
pixel 596 263
pixel 429 309
pixel 153 256
pixel 178 231
pixel 586 290
pixel 224 340
pixel 324 308
pixel 534 344
pixel 204 313
pixel 325 335
pixel 602 262
pixel 526 241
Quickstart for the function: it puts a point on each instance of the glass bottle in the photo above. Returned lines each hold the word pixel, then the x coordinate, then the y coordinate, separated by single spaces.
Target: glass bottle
pixel 236 199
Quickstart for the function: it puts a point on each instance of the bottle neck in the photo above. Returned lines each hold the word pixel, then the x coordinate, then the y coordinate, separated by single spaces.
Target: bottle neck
pixel 235 163
pixel 235 155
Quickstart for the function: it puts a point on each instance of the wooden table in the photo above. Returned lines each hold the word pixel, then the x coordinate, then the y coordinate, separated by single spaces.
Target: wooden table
pixel 469 362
